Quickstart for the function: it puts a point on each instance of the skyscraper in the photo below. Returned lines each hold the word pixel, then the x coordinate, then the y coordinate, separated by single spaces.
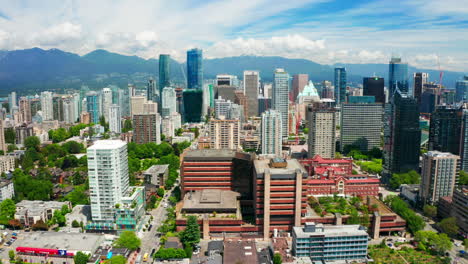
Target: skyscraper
pixel 192 104
pixel 438 177
pixel 47 106
pixel 251 90
pixel 419 80
pixel 280 99
pixel 164 72
pixel 461 88
pixel 68 111
pixel 195 69
pixel 108 177
pixel 445 131
pixel 92 106
pixel 3 145
pixel 271 132
pixel 374 86
pixel 147 125
pixel 397 77
pixel 361 124
pixel 322 125
pixel 136 104
pixel 115 119
pixel 25 110
pixel 57 106
pixel 224 134
pixel 169 101
pixel 151 94
pixel 299 81
pixel 106 102
pixel 340 85
pixel 12 101
pixel 402 135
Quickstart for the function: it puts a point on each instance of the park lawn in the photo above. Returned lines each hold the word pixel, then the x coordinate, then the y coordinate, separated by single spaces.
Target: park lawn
pixel 412 256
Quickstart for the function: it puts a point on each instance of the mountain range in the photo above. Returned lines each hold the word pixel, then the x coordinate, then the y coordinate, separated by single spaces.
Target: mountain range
pixel 35 70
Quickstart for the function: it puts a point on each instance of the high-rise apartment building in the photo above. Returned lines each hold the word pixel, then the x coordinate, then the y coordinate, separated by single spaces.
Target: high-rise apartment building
pixel 460 208
pixel 147 128
pixel 106 102
pixel 322 125
pixel 224 134
pixel 402 135
pixel 398 77
pixel 93 106
pixel 461 88
pixel 12 101
pixel 25 110
pixel 271 132
pixel 47 106
pixel 169 101
pixel 251 91
pixel 445 132
pixel 3 145
pixel 374 86
pixel 68 111
pixel 419 80
pixel 299 81
pixel 195 69
pixel 108 177
pixel 115 119
pixel 164 72
pixel 327 90
pixel 340 85
pixel 151 93
pixel 57 106
pixel 361 125
pixel 439 175
pixel 222 107
pixel 136 104
pixel 280 99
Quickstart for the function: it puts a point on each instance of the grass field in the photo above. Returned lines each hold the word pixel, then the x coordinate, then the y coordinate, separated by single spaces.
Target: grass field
pixel 404 256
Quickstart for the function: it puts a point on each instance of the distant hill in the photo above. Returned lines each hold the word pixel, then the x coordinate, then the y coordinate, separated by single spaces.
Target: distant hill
pixel 35 70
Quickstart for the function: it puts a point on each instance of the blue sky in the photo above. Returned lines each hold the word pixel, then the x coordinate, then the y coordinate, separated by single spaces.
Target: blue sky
pixel 424 32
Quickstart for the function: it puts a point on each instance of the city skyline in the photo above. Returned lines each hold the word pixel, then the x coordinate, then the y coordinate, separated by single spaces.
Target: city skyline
pixel 424 33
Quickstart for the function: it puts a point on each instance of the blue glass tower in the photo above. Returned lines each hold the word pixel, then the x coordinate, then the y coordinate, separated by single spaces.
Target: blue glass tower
pixel 92 100
pixel 195 69
pixel 340 85
pixel 397 77
pixel 461 88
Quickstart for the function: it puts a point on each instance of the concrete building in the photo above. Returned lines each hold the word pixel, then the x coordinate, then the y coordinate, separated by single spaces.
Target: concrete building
pixel 325 244
pixel 25 110
pixel 410 192
pixel 115 119
pixel 156 175
pixel 108 177
pixel 169 101
pixel 69 111
pixel 147 128
pixel 167 127
pixel 251 91
pixel 279 191
pixel 29 212
pixel 131 210
pixel 280 99
pixel 322 125
pixel 3 145
pixel 226 79
pixel 7 190
pixel 47 106
pixel 222 107
pixel 136 104
pixel 361 125
pixel 12 101
pixel 224 134
pixel 439 175
pixel 271 132
pixel 7 163
pixel 299 81
pixel 460 208
pixel 106 102
pixel 22 132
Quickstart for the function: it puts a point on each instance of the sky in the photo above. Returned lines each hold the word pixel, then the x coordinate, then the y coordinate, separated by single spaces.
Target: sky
pixel 425 33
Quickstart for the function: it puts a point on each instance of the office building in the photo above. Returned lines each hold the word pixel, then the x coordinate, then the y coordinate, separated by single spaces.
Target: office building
pixel 69 111
pixel 3 145
pixel 47 106
pixel 25 110
pixel 226 79
pixel 439 175
pixel 167 127
pixel 147 128
pixel 136 104
pixel 308 95
pixel 445 131
pixel 398 77
pixel 164 72
pixel 361 125
pixel 280 98
pixel 264 104
pixel 226 92
pixel 322 125
pixel 280 186
pixel 12 101
pixel 402 135
pixel 327 90
pixel 169 101
pixel 460 208
pixel 93 106
pixel 192 104
pixel 340 85
pixel 151 93
pixel 108 177
pixel 35 105
pixel 271 133
pixel 419 80
pixel 251 91
pixel 461 88
pixel 195 69
pixel 222 107
pixel 326 244
pixel 374 86
pixel 106 102
pixel 57 105
pixel 224 134
pixel 115 119
pixel 299 81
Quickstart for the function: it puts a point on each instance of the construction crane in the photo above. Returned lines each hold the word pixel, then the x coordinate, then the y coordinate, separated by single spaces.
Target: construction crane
pixel 441 76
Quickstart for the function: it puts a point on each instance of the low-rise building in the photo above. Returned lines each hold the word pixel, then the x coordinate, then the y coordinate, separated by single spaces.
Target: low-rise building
pixel 129 214
pixel 7 163
pixel 7 190
pixel 156 175
pixel 330 243
pixel 410 192
pixel 29 212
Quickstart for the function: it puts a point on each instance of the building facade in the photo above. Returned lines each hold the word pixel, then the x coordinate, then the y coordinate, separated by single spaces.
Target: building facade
pixel 271 132
pixel 460 208
pixel 93 106
pixel 7 190
pixel 419 80
pixel 398 77
pixel 115 119
pixel 147 128
pixel 25 110
pixel 169 101
pixel 47 106
pixel 374 86
pixel 195 69
pixel 322 125
pixel 251 91
pixel 224 134
pixel 280 98
pixel 340 85
pixel 299 81
pixel 3 144
pixel 164 73
pixel 461 88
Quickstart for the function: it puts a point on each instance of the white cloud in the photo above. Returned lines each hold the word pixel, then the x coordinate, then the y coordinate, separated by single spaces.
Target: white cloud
pixel 58 34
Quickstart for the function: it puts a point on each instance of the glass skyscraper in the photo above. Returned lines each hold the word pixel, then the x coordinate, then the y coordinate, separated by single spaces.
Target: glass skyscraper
pixel 195 69
pixel 92 101
pixel 193 103
pixel 462 89
pixel 374 86
pixel 280 98
pixel 164 73
pixel 340 85
pixel 397 76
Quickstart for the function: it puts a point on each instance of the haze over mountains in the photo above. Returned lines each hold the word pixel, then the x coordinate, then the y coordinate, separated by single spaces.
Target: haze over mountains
pixel 37 69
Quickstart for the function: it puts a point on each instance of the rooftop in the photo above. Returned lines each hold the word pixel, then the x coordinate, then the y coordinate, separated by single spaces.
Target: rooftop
pixel 438 154
pixel 239 251
pixel 157 169
pixel 329 230
pixel 210 153
pixel 34 208
pixel 211 199
pixel 4 183
pixel 291 166
pixel 57 240
pixel 107 144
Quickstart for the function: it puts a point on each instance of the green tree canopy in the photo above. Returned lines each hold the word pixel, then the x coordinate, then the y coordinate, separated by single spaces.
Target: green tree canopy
pixel 32 142
pixel 127 126
pixel 117 259
pixel 440 242
pixel 449 226
pixel 81 258
pixel 128 240
pixel 7 208
pixel 277 259
pixel 414 221
pixel 191 234
pixel 411 177
pixel 463 178
pixel 430 210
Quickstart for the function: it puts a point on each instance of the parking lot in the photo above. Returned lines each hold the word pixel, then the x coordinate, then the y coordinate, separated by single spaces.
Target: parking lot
pixel 9 243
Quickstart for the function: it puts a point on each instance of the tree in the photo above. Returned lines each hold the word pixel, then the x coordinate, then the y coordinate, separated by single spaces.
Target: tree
pixel 277 259
pixel 440 242
pixel 414 221
pixel 78 196
pixel 32 142
pixel 465 243
pixel 160 192
pixel 118 259
pixel 463 178
pixel 40 225
pixel 7 208
pixel 429 210
pixel 75 224
pixel 73 147
pixel 127 126
pixel 11 254
pixel 191 234
pixel 449 226
pixel 188 251
pixel 58 218
pixel 128 240
pixel 411 177
pixel 10 135
pixel 81 258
